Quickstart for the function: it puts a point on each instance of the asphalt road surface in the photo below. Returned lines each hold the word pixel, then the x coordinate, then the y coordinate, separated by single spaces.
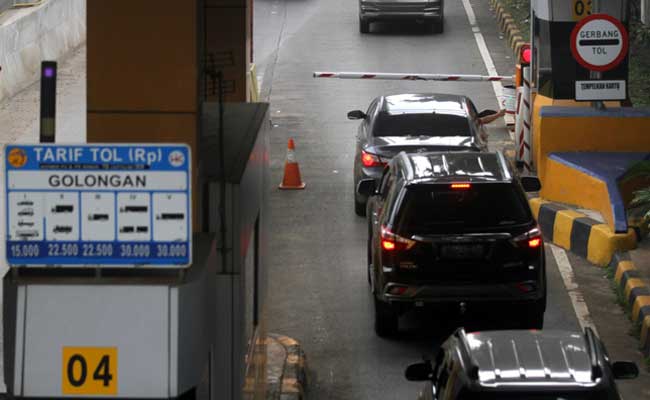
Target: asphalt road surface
pixel 318 291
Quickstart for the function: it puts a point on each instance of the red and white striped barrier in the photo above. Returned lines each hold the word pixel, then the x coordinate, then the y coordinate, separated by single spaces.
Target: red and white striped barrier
pixel 411 77
pixel 523 136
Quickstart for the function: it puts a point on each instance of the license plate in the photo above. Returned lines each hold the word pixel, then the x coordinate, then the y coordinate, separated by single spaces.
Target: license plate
pixel 462 251
pixel 89 371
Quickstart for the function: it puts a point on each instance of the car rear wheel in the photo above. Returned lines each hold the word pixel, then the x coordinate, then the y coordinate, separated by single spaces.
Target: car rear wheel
pixel 386 319
pixel 438 26
pixel 364 26
pixel 369 263
pixel 359 207
pixel 533 317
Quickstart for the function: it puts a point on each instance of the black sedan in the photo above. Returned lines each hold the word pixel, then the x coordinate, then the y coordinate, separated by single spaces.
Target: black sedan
pixel 413 123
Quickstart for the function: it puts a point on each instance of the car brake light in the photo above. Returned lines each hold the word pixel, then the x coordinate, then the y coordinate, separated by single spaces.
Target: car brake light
pixel 531 239
pixel 391 241
pixel 398 290
pixel 371 160
pixel 461 186
pixel 534 243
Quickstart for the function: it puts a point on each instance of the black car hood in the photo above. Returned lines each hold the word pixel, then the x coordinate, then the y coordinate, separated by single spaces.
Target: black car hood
pixel 388 146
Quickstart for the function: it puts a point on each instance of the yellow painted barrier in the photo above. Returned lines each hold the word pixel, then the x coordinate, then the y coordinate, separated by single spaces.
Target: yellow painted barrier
pixel 603 243
pixel 254 94
pixel 568 185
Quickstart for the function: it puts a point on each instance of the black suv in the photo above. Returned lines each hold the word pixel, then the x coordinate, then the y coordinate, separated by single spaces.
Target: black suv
pixel 453 228
pixel 509 365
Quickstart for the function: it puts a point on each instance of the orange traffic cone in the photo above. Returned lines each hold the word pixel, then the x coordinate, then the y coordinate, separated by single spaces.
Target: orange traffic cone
pixel 292 178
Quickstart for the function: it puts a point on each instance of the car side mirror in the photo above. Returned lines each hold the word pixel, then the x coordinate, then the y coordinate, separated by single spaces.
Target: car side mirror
pixel 625 370
pixel 419 372
pixel 367 187
pixel 486 113
pixel 531 183
pixel 356 114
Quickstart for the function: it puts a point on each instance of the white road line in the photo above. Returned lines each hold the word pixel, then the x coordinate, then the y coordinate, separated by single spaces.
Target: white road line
pixel 485 54
pixel 578 301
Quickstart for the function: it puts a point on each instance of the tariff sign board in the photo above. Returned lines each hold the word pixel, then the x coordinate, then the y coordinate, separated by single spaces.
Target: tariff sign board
pixel 100 205
pixel 599 42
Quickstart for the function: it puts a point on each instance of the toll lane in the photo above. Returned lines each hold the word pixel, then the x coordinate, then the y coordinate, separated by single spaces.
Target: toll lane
pixel 318 290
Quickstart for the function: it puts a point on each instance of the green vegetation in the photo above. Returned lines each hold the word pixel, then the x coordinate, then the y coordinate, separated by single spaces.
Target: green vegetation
pixel 639 78
pixel 641 198
pixel 639 64
pixel 520 11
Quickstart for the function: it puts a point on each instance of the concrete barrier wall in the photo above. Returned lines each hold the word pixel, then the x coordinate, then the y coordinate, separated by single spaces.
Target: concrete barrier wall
pixel 5 5
pixel 30 35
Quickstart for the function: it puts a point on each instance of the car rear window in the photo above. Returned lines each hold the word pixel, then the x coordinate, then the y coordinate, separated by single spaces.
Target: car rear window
pixel 437 208
pixel 418 124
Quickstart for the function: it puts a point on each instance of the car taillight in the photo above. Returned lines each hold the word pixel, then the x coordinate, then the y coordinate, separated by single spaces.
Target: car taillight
pixel 531 239
pixel 371 160
pixel 461 186
pixel 392 242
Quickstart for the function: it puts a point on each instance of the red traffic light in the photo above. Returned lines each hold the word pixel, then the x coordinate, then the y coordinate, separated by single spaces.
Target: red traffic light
pixel 525 54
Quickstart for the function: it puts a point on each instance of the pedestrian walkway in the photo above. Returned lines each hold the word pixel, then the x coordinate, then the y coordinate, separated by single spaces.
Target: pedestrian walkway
pixel 285 368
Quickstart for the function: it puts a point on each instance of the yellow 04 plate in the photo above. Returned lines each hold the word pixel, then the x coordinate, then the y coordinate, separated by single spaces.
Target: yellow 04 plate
pixel 581 9
pixel 89 370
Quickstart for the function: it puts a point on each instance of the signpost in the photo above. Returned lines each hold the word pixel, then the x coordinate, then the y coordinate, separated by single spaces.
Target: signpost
pixel 98 205
pixel 599 43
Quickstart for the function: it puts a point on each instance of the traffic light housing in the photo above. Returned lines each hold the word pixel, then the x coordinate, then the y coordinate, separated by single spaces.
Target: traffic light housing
pixel 48 101
pixel 523 60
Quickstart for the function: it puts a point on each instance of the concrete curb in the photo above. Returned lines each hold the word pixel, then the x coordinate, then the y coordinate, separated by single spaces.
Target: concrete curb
pixel 597 243
pixel 290 381
pixel 48 31
pixel 508 26
pixel 572 230
pixel 636 292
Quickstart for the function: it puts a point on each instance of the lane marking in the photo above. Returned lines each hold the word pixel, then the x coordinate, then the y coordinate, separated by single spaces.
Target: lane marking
pixel 572 288
pixel 485 54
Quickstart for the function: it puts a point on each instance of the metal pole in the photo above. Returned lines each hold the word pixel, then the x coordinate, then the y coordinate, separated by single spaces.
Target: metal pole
pixel 598 105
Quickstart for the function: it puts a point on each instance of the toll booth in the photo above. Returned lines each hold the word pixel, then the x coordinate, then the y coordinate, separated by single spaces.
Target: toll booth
pixel 585 135
pixel 555 70
pixel 152 331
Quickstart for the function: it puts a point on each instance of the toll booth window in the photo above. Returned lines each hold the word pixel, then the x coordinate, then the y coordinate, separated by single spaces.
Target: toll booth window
pixel 251 284
pixel 256 274
pixel 544 69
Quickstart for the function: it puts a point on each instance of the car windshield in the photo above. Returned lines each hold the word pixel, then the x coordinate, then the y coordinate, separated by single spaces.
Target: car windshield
pixel 439 208
pixel 419 124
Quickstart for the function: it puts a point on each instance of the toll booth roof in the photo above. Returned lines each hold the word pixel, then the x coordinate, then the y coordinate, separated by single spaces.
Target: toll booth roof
pixel 242 123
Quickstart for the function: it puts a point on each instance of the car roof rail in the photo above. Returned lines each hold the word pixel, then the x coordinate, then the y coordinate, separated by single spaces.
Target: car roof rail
pixel 594 353
pixel 504 165
pixel 468 359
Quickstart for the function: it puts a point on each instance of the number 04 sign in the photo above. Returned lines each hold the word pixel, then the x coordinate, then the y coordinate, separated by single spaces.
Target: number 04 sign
pixel 89 371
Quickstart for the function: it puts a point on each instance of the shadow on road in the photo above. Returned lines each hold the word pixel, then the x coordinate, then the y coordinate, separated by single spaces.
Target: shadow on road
pixel 401 28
